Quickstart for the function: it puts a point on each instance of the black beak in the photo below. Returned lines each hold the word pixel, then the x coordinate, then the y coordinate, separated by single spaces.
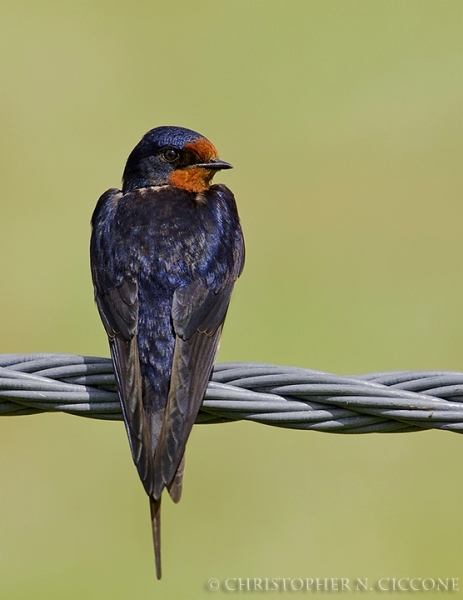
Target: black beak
pixel 214 165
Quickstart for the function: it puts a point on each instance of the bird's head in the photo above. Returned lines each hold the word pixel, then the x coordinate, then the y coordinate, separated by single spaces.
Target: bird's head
pixel 172 156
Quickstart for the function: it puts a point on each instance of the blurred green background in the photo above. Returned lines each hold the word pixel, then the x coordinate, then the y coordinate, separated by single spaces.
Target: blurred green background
pixel 343 119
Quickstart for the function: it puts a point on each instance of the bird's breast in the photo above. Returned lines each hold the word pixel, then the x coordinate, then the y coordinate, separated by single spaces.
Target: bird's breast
pixel 166 235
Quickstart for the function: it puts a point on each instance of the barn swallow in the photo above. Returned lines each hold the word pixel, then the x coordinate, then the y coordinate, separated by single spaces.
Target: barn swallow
pixel 165 253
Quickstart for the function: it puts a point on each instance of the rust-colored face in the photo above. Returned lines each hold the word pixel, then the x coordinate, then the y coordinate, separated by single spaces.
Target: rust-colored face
pixel 196 179
pixel 203 148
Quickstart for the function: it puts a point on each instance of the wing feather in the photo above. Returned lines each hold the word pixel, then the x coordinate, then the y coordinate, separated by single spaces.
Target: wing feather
pixel 198 314
pixel 117 302
pixel 194 356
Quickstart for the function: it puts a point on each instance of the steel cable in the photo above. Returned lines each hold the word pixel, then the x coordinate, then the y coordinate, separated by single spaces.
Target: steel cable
pixel 292 397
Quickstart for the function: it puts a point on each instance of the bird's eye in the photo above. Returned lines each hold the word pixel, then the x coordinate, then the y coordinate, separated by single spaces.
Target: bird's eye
pixel 170 154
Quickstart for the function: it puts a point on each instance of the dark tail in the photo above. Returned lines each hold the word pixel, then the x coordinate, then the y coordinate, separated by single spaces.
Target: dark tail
pixel 155 506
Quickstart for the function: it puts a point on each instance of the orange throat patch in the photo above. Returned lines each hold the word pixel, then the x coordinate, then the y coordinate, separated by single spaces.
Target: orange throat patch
pixel 193 179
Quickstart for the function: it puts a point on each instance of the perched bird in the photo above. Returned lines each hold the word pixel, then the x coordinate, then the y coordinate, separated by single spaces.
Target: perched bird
pixel 165 254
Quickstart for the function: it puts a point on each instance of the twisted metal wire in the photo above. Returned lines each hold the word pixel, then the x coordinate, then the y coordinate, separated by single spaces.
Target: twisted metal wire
pixel 395 401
